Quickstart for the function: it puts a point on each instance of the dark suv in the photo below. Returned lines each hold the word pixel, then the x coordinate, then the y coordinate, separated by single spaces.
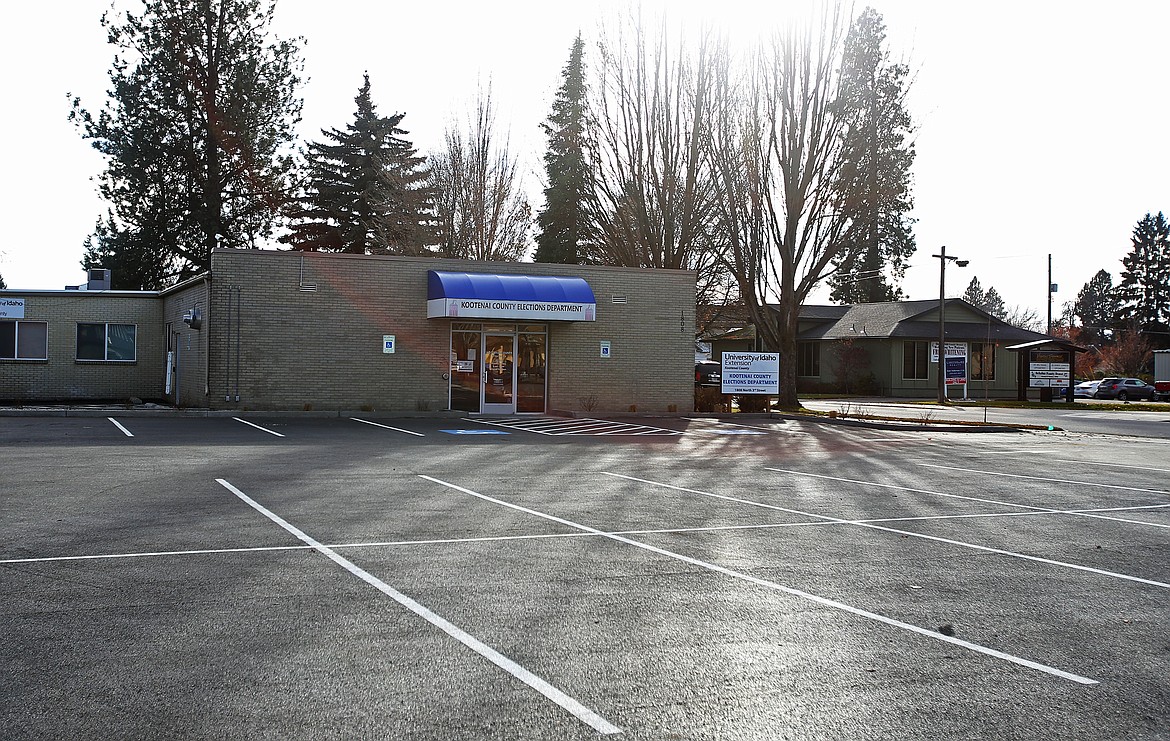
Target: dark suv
pixel 1124 389
pixel 708 373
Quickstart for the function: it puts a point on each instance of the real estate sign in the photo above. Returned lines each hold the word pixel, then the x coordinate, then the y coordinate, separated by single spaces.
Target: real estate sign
pixel 751 373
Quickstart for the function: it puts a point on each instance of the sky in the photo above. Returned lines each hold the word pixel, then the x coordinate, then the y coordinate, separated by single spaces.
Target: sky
pixel 1041 127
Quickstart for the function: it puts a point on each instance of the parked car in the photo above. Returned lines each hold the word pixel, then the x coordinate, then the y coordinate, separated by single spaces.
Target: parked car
pixel 1085 389
pixel 1124 389
pixel 708 373
pixel 1161 390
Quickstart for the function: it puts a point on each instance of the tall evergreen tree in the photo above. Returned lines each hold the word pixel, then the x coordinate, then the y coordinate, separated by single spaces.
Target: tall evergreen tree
pixel 1144 290
pixel 3 285
pixel 562 221
pixel 367 189
pixel 1096 306
pixel 202 104
pixel 877 155
pixel 989 300
pixel 974 294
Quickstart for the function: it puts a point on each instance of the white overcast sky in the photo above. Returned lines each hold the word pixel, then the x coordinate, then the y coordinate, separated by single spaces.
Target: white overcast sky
pixel 1042 126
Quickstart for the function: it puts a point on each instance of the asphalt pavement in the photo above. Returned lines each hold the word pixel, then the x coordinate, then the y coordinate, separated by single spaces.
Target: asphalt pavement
pixel 1081 416
pixel 541 578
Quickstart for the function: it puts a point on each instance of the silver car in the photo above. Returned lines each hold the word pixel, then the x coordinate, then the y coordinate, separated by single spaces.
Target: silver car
pixel 1124 389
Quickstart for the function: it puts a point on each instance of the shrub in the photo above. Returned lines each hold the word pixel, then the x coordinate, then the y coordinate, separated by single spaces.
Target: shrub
pixel 709 399
pixel 752 402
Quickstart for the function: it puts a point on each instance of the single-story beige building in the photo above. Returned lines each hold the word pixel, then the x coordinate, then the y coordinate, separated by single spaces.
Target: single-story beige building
pixel 282 330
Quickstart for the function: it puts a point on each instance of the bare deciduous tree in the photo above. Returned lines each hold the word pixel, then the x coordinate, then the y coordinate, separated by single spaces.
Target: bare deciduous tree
pixel 777 154
pixel 482 211
pixel 654 200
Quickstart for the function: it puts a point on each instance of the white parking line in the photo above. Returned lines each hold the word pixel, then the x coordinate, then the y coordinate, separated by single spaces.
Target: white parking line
pixel 583 426
pixel 128 433
pixel 1042 478
pixel 584 714
pixel 935 635
pixel 386 427
pixel 258 427
pixel 539 536
pixel 1093 463
pixel 910 533
pixel 997 502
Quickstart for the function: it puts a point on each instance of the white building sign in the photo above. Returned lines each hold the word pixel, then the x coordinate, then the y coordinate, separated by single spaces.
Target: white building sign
pixel 11 308
pixel 1049 369
pixel 474 308
pixel 751 373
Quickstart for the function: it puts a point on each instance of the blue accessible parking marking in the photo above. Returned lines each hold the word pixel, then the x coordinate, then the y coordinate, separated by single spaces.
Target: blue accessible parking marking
pixel 475 432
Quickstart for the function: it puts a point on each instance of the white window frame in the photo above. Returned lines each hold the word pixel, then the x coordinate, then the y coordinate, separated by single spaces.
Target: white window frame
pixel 106 349
pixel 16 340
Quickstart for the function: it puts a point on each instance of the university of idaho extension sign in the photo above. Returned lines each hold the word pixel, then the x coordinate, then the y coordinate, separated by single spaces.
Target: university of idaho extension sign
pixel 751 373
pixel 11 308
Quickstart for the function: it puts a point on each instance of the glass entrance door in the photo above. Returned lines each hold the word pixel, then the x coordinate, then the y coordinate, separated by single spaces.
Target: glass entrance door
pixel 499 374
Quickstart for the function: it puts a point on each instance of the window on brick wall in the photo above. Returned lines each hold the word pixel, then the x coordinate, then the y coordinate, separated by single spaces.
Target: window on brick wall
pixel 24 340
pixel 115 342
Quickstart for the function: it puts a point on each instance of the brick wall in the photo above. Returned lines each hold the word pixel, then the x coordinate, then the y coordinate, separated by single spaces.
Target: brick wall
pixel 322 348
pixel 64 378
pixel 190 346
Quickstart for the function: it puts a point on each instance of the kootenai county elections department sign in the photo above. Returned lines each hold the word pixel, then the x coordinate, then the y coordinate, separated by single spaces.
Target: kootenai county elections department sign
pixel 751 373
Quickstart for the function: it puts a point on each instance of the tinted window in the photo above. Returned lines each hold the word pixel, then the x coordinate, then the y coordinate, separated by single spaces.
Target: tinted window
pixel 91 342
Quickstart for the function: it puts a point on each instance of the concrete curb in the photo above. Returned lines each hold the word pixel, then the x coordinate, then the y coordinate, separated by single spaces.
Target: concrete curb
pixel 908 426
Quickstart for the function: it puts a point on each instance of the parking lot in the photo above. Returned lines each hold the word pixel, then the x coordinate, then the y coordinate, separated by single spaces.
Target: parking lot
pixel 540 578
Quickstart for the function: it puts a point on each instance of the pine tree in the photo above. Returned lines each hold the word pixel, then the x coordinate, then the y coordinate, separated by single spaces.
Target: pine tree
pixel 562 221
pixel 1096 306
pixel 877 156
pixel 366 190
pixel 1144 290
pixel 3 285
pixel 974 294
pixel 989 300
pixel 201 106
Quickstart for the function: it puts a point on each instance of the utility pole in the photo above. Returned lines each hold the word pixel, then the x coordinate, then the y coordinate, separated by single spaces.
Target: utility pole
pixel 1051 290
pixel 942 322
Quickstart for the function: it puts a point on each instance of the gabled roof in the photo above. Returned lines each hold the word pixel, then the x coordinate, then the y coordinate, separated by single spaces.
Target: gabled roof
pixel 902 319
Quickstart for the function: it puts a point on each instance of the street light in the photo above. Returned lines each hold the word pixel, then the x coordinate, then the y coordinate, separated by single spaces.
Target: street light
pixel 942 325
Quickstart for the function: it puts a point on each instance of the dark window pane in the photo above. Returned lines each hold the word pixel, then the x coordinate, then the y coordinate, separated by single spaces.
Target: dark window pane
pixel 8 340
pixel 120 343
pixel 91 342
pixel 32 342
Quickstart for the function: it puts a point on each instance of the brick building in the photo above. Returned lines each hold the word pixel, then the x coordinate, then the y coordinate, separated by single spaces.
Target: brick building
pixel 277 330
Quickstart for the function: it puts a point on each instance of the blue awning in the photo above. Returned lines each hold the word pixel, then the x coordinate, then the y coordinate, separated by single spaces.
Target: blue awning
pixel 494 296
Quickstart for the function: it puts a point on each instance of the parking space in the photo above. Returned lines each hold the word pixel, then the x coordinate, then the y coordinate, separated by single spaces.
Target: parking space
pixel 384 577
